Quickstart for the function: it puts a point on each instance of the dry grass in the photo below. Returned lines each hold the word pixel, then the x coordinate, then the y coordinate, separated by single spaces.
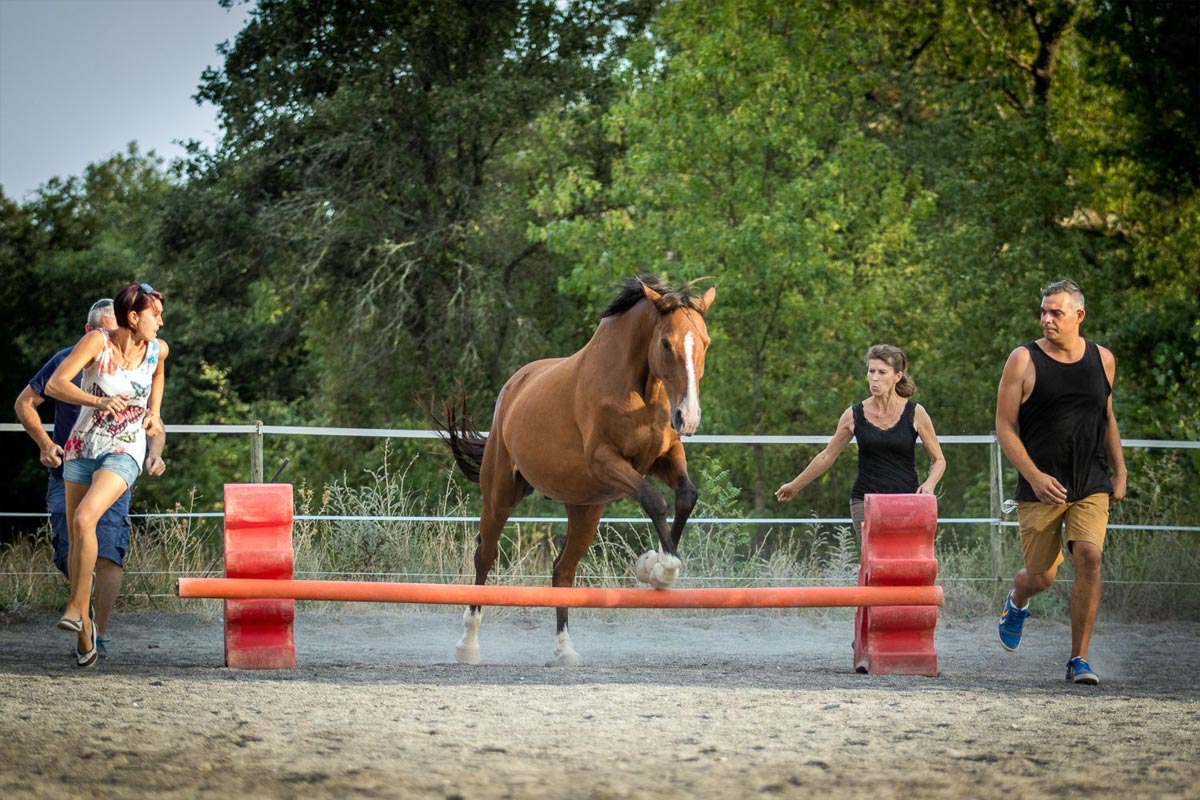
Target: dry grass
pixel 1147 574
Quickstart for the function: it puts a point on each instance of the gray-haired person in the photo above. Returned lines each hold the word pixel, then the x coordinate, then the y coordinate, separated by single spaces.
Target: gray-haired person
pixel 1055 423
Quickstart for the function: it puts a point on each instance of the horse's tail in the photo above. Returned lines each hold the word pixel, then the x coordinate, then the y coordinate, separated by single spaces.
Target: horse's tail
pixel 455 428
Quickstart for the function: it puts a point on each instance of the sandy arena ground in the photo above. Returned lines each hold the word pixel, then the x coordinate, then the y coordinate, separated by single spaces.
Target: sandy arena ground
pixel 720 706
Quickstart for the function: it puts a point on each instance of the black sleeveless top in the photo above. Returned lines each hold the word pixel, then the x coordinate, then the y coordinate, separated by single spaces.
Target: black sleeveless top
pixel 887 462
pixel 1063 421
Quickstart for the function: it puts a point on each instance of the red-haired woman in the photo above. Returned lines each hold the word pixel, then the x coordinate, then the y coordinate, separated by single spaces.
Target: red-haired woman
pixel 119 398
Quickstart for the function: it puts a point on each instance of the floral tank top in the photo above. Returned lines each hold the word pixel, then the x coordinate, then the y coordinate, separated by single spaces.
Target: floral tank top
pixel 98 433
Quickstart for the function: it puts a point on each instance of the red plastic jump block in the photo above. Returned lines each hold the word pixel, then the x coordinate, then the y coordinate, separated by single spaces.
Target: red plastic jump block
pixel 258 544
pixel 897 550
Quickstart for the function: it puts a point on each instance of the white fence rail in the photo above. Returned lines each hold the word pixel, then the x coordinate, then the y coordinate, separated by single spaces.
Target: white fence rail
pixel 258 431
pixel 995 518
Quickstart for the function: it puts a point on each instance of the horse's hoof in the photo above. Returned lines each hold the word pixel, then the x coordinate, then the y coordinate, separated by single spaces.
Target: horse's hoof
pixel 665 572
pixel 645 565
pixel 466 653
pixel 570 659
pixel 564 653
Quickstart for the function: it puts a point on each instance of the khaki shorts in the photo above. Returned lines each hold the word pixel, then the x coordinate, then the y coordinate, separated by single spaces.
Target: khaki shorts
pixel 1042 524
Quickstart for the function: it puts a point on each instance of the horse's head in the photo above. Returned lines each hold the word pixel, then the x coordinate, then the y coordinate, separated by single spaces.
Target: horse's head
pixel 677 354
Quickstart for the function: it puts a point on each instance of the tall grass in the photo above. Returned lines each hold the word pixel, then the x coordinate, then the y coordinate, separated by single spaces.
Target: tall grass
pixel 1147 574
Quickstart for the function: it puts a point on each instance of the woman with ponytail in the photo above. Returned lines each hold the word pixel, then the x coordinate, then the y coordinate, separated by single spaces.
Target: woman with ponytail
pixel 886 425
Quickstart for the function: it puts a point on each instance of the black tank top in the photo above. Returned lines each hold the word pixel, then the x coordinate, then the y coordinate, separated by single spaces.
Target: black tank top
pixel 886 459
pixel 1063 421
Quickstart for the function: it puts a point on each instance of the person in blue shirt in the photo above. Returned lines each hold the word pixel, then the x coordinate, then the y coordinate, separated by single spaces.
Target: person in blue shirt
pixel 112 532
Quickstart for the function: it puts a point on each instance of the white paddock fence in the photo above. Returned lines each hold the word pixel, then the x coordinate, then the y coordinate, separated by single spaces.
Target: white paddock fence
pixel 995 517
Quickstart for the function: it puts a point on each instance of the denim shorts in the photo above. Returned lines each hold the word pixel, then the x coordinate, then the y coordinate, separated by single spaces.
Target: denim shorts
pixel 112 531
pixel 80 470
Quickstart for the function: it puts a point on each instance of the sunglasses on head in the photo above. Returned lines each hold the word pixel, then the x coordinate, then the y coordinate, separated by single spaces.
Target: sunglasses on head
pixel 146 288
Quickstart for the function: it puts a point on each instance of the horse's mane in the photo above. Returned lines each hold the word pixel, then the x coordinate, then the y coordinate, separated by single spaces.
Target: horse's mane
pixel 631 293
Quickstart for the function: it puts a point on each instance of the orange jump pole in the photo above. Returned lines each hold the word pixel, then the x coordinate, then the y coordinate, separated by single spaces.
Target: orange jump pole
pixel 467 595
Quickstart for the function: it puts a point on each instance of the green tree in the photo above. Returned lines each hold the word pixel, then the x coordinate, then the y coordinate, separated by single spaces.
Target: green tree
pixel 747 159
pixel 76 240
pixel 1140 85
pixel 371 175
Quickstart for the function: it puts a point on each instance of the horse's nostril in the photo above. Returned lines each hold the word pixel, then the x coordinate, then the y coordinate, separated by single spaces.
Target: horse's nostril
pixel 677 419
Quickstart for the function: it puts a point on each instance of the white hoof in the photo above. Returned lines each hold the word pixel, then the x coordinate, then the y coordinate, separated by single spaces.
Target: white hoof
pixel 564 653
pixel 466 653
pixel 467 649
pixel 665 572
pixel 644 565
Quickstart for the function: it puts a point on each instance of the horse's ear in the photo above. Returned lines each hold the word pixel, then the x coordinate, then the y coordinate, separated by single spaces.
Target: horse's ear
pixel 705 303
pixel 652 296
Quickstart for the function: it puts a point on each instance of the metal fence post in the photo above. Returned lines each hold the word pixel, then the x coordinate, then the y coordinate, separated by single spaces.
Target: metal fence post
pixel 256 453
pixel 996 481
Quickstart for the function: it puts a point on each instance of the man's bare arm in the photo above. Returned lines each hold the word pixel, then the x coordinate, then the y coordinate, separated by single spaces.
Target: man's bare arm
pixel 1112 434
pixel 26 406
pixel 154 461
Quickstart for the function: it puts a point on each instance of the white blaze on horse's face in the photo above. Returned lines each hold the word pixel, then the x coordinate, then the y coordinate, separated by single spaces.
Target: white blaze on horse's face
pixel 689 409
pixel 677 359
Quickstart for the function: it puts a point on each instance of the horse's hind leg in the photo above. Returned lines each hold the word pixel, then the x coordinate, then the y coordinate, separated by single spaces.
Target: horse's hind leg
pixel 486 550
pixel 497 505
pixel 581 529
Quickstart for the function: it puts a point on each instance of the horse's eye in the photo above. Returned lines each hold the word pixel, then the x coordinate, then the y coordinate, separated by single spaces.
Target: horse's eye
pixel 666 344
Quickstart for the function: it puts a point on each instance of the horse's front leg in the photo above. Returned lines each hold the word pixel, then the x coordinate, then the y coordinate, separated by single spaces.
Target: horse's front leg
pixel 660 570
pixel 672 470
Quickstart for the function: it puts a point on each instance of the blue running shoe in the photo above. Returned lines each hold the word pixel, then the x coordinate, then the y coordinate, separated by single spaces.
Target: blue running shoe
pixel 1011 623
pixel 100 646
pixel 1079 671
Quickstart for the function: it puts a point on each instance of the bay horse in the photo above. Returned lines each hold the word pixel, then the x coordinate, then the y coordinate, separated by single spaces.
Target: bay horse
pixel 586 430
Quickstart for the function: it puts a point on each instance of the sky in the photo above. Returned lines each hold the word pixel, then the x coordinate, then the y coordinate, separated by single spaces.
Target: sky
pixel 80 79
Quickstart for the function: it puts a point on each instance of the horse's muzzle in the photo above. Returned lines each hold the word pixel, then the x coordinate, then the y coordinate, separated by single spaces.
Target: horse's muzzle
pixel 684 425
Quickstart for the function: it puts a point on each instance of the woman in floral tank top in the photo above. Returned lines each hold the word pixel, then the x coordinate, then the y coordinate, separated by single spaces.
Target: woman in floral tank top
pixel 119 398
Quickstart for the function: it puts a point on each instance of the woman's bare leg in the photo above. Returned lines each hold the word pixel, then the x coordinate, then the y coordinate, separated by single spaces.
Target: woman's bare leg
pixel 85 505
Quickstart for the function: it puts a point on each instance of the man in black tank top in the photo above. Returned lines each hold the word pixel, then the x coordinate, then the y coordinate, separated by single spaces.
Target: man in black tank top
pixel 1054 421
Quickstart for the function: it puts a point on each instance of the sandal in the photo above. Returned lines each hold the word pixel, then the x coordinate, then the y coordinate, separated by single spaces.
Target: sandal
pixel 72 625
pixel 89 658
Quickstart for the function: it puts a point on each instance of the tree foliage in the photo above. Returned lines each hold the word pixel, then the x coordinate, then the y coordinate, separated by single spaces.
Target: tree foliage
pixel 410 194
pixel 76 240
pixel 374 151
